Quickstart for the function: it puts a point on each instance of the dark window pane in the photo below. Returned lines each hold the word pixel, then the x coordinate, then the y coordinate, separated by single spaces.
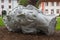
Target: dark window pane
pixel 17 1
pixel 9 1
pixel 2 1
pixel 58 4
pixel 9 6
pixel 46 11
pixel 2 6
pixel 46 3
pixel 52 3
pixel 52 11
pixel 57 10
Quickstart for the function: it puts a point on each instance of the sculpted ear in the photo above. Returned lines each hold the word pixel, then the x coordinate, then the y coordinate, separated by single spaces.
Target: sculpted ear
pixel 4 13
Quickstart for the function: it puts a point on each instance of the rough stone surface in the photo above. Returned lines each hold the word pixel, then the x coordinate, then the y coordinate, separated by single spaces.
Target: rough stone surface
pixel 30 20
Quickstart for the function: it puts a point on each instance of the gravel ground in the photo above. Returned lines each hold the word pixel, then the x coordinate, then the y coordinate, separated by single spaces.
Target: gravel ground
pixel 6 35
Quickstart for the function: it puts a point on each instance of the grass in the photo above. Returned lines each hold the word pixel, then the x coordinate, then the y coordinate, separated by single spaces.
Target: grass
pixel 1 22
pixel 57 25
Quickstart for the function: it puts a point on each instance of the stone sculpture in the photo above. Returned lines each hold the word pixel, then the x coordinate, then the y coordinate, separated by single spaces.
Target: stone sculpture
pixel 30 20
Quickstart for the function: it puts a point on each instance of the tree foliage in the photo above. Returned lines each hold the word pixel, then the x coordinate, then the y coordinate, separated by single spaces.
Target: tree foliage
pixel 23 2
pixel 32 2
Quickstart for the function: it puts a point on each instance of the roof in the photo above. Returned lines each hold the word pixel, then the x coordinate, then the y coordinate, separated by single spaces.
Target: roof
pixel 49 0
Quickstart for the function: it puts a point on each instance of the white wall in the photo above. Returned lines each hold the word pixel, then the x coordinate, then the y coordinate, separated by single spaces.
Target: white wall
pixel 49 7
pixel 6 5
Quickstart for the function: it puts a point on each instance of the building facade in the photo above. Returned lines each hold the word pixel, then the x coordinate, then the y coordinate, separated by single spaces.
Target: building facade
pixel 50 7
pixel 8 5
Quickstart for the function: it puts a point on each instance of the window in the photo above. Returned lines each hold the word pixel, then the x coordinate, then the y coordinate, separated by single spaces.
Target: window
pixel 2 6
pixel 57 3
pixel 46 3
pixel 2 1
pixel 9 6
pixel 52 3
pixel 52 11
pixel 9 1
pixel 17 1
pixel 58 11
pixel 46 11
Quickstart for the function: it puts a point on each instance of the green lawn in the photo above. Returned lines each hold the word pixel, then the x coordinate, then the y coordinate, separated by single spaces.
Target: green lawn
pixel 57 25
pixel 1 22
